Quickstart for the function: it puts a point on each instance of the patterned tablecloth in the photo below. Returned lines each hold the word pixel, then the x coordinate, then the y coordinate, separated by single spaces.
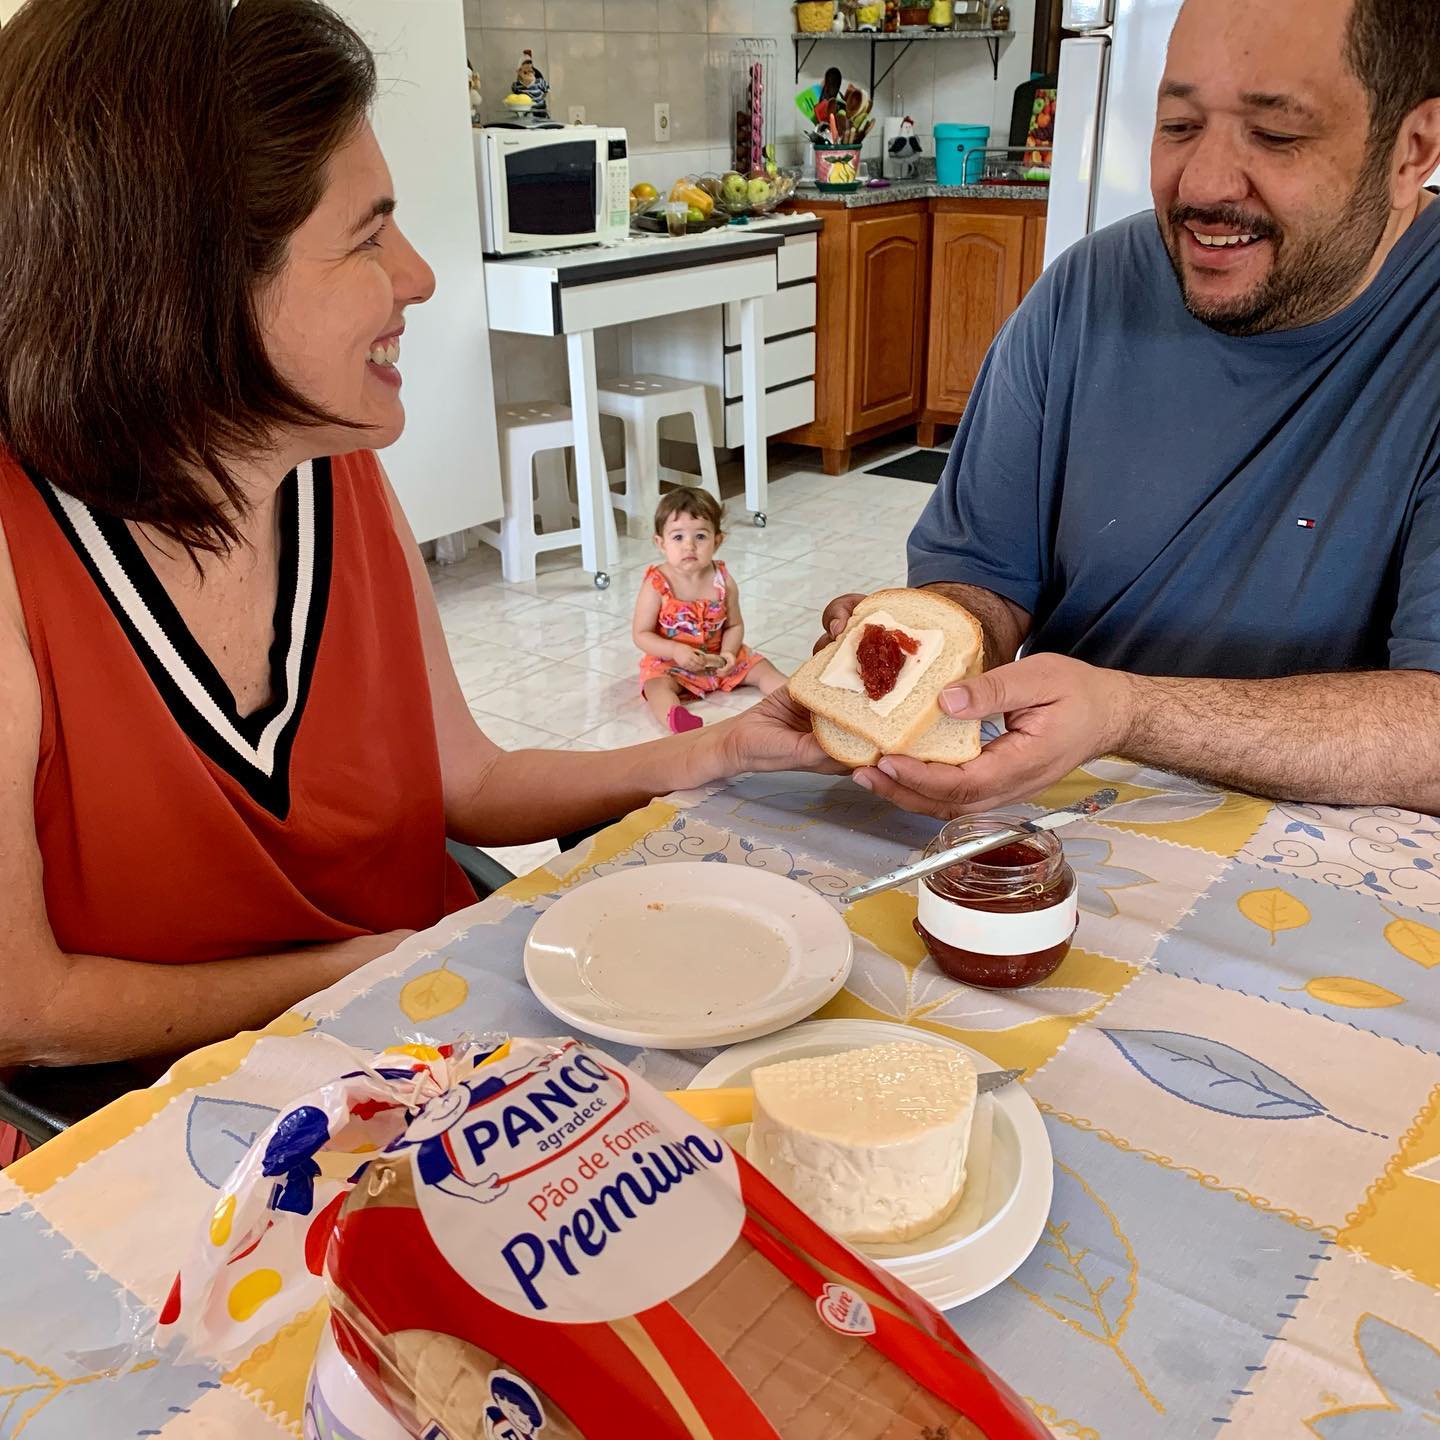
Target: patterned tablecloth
pixel 1237 1066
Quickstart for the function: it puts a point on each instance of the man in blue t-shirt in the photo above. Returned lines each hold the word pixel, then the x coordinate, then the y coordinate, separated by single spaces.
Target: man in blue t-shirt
pixel 1198 480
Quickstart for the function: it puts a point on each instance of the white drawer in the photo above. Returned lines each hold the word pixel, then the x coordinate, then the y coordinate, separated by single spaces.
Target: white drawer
pixel 785 312
pixel 784 409
pixel 792 358
pixel 796 259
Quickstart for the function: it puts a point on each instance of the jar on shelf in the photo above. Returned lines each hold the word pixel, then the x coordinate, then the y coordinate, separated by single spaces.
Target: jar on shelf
pixel 1000 16
pixel 1004 919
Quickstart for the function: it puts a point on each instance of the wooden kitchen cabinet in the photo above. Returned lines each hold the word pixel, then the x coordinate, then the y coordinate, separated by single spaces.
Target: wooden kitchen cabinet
pixel 1034 261
pixel 984 261
pixel 889 291
pixel 910 296
pixel 975 280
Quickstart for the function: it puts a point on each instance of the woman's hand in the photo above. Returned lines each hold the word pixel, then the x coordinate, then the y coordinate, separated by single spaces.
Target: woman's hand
pixel 836 618
pixel 774 734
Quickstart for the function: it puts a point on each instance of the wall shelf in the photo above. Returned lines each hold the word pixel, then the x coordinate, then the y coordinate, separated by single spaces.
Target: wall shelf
pixel 904 39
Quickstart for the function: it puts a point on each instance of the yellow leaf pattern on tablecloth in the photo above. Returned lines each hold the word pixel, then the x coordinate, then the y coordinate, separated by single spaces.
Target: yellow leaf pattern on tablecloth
pixel 1417 942
pixel 21 1403
pixel 1273 910
pixel 435 993
pixel 1347 990
pixel 1078 1287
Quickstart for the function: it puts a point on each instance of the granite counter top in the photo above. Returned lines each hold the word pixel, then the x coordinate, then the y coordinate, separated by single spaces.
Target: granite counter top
pixel 901 190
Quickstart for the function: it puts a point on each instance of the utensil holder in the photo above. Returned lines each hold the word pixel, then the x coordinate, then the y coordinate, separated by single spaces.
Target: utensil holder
pixel 840 161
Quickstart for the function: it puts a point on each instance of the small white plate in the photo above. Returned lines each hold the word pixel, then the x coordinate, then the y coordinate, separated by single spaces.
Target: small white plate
pixel 677 957
pixel 947 1271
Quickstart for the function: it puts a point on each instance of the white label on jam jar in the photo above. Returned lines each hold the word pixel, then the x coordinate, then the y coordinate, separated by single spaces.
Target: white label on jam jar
pixel 988 932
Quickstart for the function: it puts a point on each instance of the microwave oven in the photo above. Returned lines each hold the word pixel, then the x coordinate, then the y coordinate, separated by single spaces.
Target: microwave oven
pixel 548 189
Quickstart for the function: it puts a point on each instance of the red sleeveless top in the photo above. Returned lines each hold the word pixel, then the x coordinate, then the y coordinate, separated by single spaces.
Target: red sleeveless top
pixel 171 827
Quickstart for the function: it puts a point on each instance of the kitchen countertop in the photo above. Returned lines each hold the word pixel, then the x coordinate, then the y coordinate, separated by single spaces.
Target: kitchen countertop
pixel 901 190
pixel 646 254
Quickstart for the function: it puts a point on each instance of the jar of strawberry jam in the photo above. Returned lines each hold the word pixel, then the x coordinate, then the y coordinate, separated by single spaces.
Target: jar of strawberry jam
pixel 1005 918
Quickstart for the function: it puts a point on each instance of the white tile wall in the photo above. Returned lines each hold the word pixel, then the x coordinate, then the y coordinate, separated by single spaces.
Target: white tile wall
pixel 679 51
pixel 631 15
pixel 689 17
pixel 512 14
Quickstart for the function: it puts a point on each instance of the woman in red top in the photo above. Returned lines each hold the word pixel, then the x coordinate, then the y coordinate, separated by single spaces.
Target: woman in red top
pixel 230 734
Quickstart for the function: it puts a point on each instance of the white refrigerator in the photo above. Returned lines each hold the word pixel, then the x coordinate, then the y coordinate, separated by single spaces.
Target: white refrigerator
pixel 1105 115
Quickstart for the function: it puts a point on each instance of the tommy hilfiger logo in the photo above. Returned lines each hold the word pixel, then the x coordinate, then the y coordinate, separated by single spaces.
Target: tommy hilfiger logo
pixel 1305 523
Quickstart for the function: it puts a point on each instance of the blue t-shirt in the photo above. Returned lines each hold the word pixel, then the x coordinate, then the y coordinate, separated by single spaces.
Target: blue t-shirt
pixel 1168 500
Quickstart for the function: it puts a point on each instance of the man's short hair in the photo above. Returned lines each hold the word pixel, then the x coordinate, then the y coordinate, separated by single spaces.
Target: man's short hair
pixel 1393 47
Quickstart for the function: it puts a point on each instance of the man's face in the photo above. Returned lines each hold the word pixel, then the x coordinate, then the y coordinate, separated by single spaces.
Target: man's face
pixel 1269 198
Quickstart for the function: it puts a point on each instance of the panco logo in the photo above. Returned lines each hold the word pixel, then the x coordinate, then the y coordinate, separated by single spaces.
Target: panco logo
pixel 591 1196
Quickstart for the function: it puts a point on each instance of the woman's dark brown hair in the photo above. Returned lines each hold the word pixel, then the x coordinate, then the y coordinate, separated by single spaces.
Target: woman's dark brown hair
pixel 155 158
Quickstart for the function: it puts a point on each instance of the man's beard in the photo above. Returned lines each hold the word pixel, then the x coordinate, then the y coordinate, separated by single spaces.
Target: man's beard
pixel 1318 278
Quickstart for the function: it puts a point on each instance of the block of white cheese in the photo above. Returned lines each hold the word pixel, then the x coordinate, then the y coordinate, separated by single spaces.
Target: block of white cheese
pixel 843 671
pixel 870 1143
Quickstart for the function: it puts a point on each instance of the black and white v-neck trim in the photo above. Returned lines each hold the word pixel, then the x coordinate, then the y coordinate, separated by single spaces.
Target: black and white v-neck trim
pixel 255 749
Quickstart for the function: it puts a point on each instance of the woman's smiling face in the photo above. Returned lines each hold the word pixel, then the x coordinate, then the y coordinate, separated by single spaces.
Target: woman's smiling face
pixel 334 316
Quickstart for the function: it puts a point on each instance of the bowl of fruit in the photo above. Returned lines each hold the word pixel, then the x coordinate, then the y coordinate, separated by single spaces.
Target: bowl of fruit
pixel 757 193
pixel 648 207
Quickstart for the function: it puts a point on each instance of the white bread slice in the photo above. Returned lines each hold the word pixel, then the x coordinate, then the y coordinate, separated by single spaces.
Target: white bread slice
pixel 847 726
pixel 947 742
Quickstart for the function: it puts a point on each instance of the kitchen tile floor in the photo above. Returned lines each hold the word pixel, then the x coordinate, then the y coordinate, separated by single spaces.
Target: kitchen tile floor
pixel 550 663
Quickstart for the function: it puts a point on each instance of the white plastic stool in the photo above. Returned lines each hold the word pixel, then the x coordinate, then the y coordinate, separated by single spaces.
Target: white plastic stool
pixel 642 402
pixel 530 434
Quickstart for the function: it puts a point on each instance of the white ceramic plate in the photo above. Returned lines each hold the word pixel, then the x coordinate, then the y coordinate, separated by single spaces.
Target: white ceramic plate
pixel 677 957
pixel 946 1270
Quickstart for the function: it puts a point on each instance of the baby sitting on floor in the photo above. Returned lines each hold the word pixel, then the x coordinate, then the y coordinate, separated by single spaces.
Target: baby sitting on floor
pixel 687 619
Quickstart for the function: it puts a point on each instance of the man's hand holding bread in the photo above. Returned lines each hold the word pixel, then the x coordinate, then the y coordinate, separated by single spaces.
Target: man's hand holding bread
pixel 924 754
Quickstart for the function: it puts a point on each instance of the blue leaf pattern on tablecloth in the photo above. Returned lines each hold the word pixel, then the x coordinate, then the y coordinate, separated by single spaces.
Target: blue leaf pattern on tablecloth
pixel 219 1132
pixel 1407 1370
pixel 1096 877
pixel 1091 1280
pixel 1217 1077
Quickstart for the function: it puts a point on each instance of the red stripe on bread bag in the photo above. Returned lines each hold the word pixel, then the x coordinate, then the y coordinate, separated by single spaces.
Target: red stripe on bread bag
pixel 384 1260
pixel 949 1372
pixel 718 1396
pixel 917 1339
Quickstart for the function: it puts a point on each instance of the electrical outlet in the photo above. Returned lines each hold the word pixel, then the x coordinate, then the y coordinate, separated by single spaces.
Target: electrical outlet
pixel 662 122
pixel 577 114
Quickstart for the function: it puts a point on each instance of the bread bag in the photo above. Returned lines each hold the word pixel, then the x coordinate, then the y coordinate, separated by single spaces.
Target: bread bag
pixel 544 1247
